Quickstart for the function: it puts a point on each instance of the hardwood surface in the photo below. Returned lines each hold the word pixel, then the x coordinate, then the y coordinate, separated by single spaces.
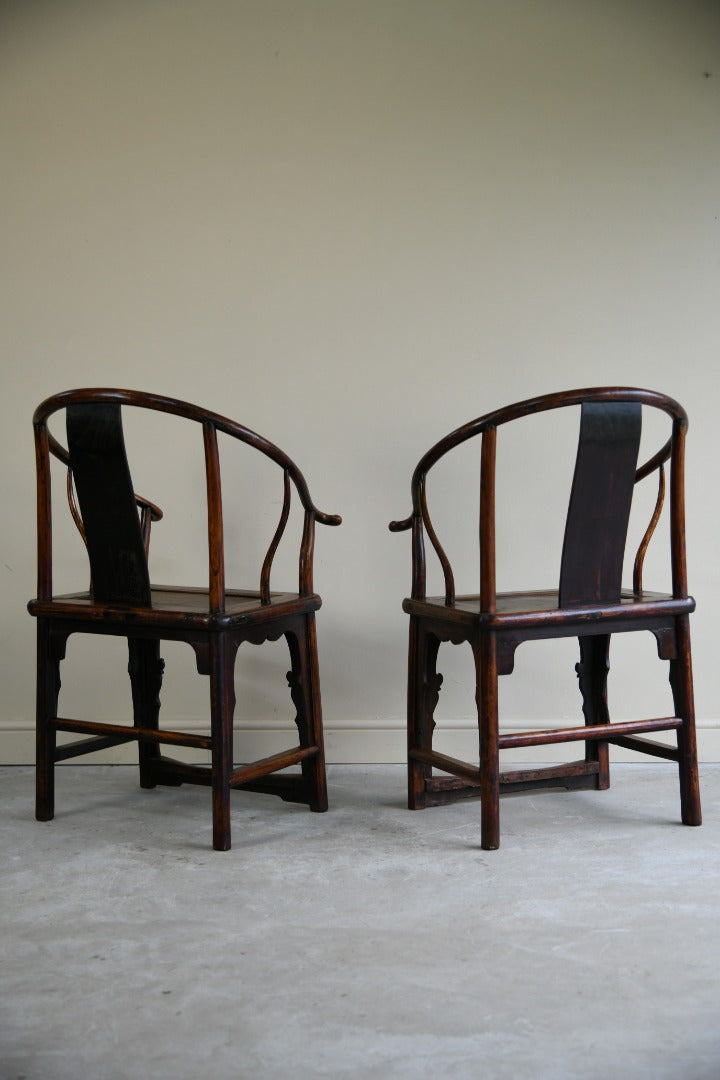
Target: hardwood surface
pixel 176 606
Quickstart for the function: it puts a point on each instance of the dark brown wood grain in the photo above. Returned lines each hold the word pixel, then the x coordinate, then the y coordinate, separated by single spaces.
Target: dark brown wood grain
pixel 214 620
pixel 588 603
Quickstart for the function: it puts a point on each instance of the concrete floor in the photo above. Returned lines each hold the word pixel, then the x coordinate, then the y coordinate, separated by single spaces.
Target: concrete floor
pixel 367 942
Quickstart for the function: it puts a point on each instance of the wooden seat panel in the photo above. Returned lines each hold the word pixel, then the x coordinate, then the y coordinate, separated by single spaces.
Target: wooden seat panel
pixel 174 606
pixel 514 609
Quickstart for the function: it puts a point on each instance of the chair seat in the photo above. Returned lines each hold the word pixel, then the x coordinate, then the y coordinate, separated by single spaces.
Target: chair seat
pixel 515 610
pixel 174 606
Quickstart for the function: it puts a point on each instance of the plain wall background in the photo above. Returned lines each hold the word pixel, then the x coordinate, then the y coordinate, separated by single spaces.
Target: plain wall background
pixel 353 226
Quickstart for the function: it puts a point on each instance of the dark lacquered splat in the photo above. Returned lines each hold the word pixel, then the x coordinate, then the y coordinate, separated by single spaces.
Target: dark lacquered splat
pixel 600 502
pixel 118 564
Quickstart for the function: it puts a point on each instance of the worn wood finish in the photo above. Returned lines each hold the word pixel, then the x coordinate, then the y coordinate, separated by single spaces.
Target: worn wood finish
pixel 214 620
pixel 589 603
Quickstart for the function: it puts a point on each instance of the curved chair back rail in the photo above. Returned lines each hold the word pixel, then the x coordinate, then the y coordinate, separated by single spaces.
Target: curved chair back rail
pixel 606 467
pixel 110 506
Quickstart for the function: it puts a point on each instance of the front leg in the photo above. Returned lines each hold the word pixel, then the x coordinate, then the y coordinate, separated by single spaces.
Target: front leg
pixel 424 682
pixel 51 645
pixel 215 657
pixel 681 683
pixel 304 682
pixel 486 697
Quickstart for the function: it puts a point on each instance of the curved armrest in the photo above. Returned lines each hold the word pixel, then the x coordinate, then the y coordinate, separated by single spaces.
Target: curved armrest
pixel 326 519
pixel 155 512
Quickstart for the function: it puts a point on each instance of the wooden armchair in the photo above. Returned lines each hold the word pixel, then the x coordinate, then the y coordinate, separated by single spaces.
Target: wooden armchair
pixel 589 604
pixel 215 620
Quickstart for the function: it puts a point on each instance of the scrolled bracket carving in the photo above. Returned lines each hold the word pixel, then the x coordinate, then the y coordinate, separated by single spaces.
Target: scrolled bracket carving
pixel 434 685
pixel 57 642
pixel 297 695
pixel 592 672
pixel 146 676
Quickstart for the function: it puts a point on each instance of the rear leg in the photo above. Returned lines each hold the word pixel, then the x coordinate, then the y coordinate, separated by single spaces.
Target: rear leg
pixel 145 668
pixel 592 673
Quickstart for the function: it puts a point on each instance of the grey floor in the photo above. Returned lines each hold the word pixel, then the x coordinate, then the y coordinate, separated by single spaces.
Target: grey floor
pixel 366 942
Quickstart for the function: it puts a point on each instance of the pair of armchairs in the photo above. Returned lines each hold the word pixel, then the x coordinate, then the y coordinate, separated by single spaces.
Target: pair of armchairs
pixel 589 604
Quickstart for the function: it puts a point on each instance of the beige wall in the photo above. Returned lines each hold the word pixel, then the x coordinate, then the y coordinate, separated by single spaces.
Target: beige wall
pixel 354 226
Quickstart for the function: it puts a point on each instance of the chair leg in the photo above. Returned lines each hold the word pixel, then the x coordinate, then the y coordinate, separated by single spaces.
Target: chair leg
pixel 592 672
pixel 50 652
pixel 304 683
pixel 145 668
pixel 681 682
pixel 424 684
pixel 222 707
pixel 486 696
